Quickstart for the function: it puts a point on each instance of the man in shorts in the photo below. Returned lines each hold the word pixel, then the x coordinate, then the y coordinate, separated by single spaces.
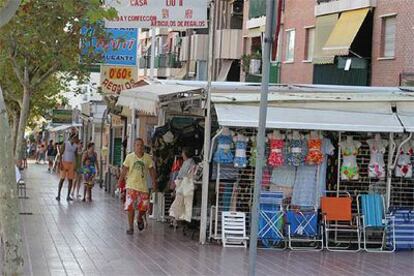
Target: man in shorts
pixel 135 168
pixel 67 164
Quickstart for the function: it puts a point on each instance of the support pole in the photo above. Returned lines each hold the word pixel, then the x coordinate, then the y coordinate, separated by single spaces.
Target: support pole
pixel 261 135
pixel 207 128
pixel 152 62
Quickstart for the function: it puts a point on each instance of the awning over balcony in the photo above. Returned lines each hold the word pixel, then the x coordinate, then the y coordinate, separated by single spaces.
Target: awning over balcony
pixel 344 33
pixel 324 26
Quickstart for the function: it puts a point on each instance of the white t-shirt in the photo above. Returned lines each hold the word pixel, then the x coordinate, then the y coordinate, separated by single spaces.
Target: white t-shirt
pixel 69 153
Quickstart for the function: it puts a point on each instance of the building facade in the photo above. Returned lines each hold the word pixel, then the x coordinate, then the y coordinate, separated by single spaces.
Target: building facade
pixel 344 42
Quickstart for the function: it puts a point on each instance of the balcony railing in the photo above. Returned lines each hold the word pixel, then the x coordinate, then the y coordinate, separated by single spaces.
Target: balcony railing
pixel 169 60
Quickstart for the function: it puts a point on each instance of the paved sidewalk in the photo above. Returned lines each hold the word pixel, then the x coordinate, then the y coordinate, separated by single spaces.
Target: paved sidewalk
pixel 89 239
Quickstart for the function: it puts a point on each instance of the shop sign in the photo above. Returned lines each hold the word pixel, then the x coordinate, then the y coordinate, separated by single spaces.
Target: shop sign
pixel 62 116
pixel 115 79
pixel 177 14
pixel 119 47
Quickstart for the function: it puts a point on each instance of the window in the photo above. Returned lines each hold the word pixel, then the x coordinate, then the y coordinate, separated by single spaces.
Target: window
pixel 309 43
pixel 290 45
pixel 388 36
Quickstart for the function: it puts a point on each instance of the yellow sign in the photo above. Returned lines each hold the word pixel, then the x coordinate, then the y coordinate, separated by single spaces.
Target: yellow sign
pixel 115 79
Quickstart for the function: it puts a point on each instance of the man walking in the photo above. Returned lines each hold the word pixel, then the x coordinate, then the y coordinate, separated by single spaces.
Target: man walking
pixel 135 168
pixel 67 164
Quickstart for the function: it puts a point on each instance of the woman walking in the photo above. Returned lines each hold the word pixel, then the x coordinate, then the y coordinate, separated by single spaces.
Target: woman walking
pixel 90 169
pixel 78 171
pixel 51 155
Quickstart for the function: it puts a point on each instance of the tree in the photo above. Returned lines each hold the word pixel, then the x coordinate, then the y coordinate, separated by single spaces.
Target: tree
pixel 42 40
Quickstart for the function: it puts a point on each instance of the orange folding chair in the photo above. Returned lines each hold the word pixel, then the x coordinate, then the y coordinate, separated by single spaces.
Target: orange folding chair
pixel 339 220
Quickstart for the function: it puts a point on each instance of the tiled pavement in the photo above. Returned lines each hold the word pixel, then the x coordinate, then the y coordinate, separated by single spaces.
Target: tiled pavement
pixel 89 239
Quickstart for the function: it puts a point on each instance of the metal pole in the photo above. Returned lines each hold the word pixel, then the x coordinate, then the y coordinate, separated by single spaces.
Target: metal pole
pixel 152 64
pixel 207 128
pixel 105 114
pixel 261 135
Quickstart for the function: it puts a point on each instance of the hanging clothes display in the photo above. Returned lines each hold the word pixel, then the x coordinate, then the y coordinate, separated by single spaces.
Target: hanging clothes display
pixel 283 179
pixel 276 144
pixel 376 167
pixel 315 155
pixel 404 167
pixel 349 168
pixel 223 154
pixel 310 180
pixel 240 158
pixel 296 152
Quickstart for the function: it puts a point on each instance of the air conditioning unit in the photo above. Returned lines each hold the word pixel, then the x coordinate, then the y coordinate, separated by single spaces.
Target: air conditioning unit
pixel 237 7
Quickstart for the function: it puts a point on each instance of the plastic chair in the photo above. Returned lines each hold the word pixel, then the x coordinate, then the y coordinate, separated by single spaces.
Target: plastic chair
pixel 234 229
pixel 271 220
pixel 338 218
pixel 303 227
pixel 371 209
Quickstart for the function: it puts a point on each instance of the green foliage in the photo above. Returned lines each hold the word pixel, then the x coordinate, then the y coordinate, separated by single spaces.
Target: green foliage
pixel 41 41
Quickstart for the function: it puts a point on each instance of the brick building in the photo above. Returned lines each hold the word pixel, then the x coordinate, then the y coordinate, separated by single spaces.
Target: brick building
pixel 391 71
pixel 348 42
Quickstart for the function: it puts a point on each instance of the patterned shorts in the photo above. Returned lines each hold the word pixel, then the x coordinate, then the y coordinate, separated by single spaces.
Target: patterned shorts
pixel 136 200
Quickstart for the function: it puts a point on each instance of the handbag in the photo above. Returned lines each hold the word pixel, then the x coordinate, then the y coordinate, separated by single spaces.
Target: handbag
pixel 185 187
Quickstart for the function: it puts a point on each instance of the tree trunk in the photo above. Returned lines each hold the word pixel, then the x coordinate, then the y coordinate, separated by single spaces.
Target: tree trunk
pixel 15 127
pixel 24 114
pixel 9 204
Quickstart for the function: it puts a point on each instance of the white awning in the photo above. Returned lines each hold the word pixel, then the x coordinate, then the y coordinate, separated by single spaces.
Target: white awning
pixel 407 121
pixel 148 98
pixel 297 118
pixel 63 127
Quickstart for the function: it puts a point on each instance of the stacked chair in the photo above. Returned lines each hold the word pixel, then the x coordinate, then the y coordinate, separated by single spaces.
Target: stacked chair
pixel 400 235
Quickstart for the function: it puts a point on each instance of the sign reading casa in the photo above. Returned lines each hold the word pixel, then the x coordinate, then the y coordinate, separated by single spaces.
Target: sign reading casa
pixel 181 14
pixel 115 79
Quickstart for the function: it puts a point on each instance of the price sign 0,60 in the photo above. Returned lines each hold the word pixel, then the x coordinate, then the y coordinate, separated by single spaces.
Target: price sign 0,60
pixel 120 73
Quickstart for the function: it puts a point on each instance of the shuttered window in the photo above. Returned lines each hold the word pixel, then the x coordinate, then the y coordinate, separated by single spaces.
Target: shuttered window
pixel 310 42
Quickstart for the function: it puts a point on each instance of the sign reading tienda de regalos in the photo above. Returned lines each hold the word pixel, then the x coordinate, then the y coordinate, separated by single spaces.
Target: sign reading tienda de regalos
pixel 177 14
pixel 116 47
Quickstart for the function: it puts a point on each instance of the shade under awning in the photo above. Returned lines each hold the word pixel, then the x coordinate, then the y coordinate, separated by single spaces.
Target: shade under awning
pixel 255 32
pixel 323 28
pixel 297 118
pixel 225 69
pixel 344 33
pixel 147 98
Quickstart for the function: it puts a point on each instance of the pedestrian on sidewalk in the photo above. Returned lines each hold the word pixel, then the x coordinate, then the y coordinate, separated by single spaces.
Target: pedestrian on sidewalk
pixel 135 168
pixel 90 169
pixel 78 171
pixel 67 165
pixel 51 155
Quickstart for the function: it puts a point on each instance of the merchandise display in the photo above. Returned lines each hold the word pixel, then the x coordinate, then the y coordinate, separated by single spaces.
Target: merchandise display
pixel 276 143
pixel 224 154
pixel 240 158
pixel 376 167
pixel 404 167
pixel 349 168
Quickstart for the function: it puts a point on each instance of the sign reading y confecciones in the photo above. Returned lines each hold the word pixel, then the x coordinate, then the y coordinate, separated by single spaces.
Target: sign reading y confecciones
pixel 176 14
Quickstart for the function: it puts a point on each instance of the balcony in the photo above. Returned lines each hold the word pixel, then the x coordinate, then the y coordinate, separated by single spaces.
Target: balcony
pixel 324 7
pixel 169 60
